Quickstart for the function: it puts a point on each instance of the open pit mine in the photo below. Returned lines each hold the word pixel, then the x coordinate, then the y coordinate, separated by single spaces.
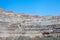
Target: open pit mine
pixel 14 24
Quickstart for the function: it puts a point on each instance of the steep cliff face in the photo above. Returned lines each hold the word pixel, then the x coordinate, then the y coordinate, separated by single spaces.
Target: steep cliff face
pixel 13 23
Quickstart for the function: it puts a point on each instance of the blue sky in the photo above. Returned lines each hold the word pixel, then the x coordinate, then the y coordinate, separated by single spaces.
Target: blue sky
pixel 35 7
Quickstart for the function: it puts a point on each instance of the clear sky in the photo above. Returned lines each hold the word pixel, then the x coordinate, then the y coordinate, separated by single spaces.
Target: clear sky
pixel 36 7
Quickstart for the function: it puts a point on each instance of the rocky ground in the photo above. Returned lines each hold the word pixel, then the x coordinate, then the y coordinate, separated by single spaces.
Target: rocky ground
pixel 28 38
